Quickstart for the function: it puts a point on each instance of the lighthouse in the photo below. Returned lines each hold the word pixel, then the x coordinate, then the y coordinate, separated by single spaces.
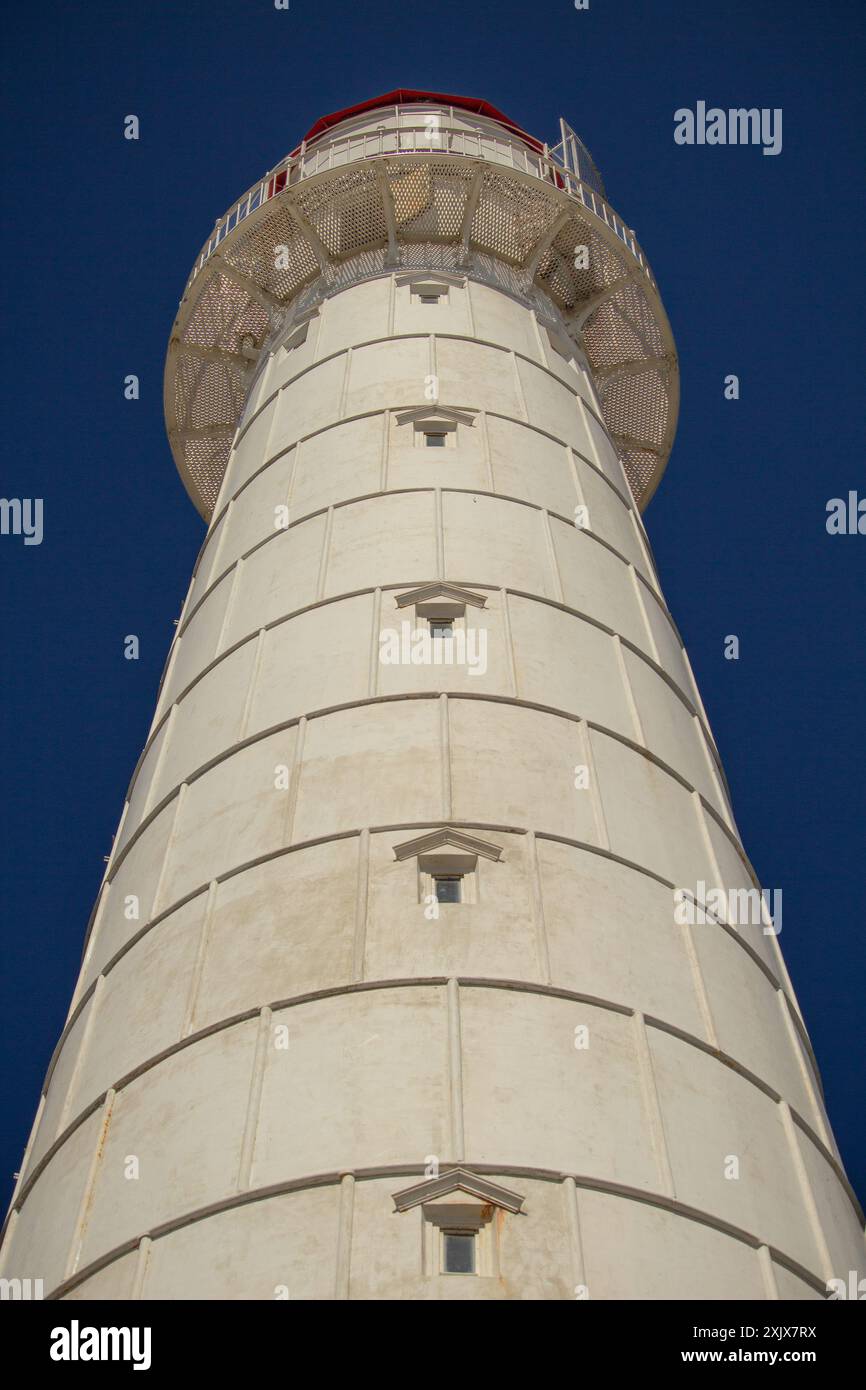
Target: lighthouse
pixel 428 962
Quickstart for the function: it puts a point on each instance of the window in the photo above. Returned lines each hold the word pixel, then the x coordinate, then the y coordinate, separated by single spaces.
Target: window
pixel 458 1252
pixel 448 888
pixel 448 870
pixel 435 431
pixel 433 426
pixel 428 291
pixel 463 1215
pixel 441 627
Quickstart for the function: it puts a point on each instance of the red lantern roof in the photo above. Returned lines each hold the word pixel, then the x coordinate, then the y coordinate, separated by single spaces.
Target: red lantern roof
pixel 404 96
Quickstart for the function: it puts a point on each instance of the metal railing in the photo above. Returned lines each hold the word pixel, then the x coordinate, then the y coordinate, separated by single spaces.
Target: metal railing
pixel 331 151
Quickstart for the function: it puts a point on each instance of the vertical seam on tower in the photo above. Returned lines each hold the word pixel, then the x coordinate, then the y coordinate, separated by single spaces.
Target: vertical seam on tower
pixel 324 557
pixel 386 451
pixel 79 1060
pixel 11 1223
pixel 551 554
pixel 227 516
pixel 694 692
pixel 539 341
pixel 708 844
pixel 509 643
pixel 90 946
pixel 149 800
pixel 576 478
pixel 650 637
pixel 586 414
pixel 588 435
pixel 392 304
pixel 272 425
pixel 80 1227
pixel 653 1105
pixel 169 846
pixel 768 1274
pixel 344 389
pixel 714 777
pixel 806 1190
pixel 521 397
pixel 264 379
pixel 445 756
pixel 345 1222
pixel 254 1102
pixel 541 943
pixel 359 945
pixel 230 603
pixel 485 449
pixel 200 955
pixel 703 998
pixel 782 968
pixel 587 385
pixel 295 780
pixel 643 547
pixel 440 533
pixel 223 487
pixel 572 1210
pixel 115 839
pixel 19 1181
pixel 467 285
pixel 190 586
pixel 142 1263
pixel 165 684
pixel 252 683
pixel 455 1069
pixel 319 320
pixel 640 736
pixel 376 627
pixel 805 1071
pixel 293 473
pixel 594 786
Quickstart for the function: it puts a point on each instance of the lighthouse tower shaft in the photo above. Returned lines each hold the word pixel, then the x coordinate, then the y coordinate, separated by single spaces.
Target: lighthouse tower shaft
pixel 428 962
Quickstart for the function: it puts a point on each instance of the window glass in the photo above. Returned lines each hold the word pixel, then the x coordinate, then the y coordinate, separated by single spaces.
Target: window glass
pixel 448 888
pixel 458 1252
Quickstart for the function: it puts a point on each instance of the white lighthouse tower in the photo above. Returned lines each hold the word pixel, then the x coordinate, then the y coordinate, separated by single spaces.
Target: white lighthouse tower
pixel 428 963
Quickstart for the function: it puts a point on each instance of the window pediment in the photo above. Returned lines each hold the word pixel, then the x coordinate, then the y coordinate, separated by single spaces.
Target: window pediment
pixel 445 841
pixel 428 281
pixel 438 599
pixel 435 417
pixel 474 1194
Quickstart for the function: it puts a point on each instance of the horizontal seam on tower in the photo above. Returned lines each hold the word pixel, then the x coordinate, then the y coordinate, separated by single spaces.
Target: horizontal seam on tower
pixel 469 982
pixel 402 827
pixel 405 337
pixel 627 501
pixel 353 593
pixel 388 588
pixel 381 494
pixel 333 1178
pixel 371 701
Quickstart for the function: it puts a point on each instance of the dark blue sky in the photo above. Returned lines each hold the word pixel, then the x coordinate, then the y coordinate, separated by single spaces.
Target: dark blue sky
pixel 759 263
